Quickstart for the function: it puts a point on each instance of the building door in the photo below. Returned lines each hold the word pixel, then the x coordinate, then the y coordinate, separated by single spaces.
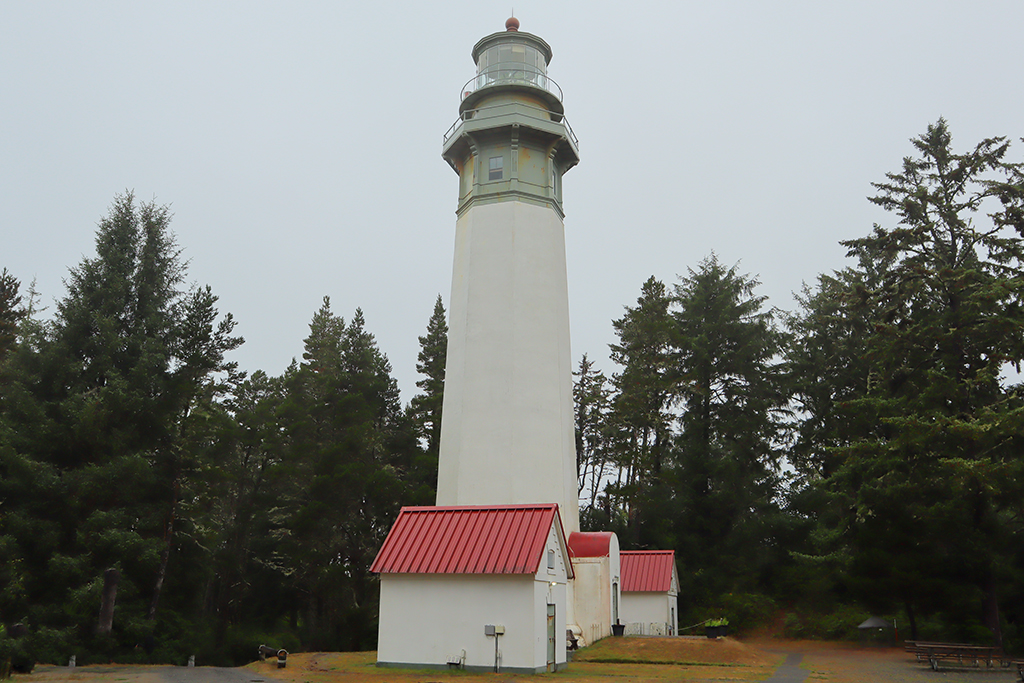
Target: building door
pixel 551 637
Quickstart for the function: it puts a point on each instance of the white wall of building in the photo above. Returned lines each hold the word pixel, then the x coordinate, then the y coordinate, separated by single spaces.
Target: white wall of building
pixel 615 578
pixel 650 608
pixel 596 593
pixel 428 619
pixel 507 433
pixel 593 598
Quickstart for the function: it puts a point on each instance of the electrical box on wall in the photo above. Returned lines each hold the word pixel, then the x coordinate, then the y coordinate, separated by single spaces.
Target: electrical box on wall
pixel 489 630
pixel 499 630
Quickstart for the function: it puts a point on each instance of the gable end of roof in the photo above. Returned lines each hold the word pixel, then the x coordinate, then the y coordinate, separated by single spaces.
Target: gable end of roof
pixel 477 539
pixel 647 570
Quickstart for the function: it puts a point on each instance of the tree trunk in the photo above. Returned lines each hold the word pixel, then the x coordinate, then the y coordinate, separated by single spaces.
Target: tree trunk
pixel 111 577
pixel 910 617
pixel 164 555
pixel 990 610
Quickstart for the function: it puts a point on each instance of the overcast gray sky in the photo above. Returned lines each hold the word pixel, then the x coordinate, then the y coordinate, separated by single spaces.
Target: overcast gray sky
pixel 299 143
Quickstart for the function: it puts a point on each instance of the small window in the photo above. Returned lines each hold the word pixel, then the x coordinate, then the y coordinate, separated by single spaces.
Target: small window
pixel 495 168
pixel 551 559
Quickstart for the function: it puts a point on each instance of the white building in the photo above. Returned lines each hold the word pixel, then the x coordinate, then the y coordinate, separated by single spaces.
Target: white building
pixel 597 594
pixel 650 587
pixel 481 588
pixel 472 582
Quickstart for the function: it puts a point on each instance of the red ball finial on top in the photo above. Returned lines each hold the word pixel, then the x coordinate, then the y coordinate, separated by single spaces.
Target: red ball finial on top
pixel 512 24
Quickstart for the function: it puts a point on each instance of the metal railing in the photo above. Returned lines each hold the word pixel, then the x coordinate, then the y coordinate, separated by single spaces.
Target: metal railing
pixel 654 628
pixel 491 110
pixel 512 73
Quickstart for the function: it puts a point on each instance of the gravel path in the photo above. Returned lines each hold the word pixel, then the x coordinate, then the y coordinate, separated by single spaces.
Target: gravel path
pixel 875 665
pixel 149 674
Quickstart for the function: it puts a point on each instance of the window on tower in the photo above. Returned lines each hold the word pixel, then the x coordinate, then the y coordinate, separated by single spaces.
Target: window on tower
pixel 496 168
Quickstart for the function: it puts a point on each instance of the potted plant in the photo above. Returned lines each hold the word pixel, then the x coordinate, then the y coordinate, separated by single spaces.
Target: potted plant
pixel 716 628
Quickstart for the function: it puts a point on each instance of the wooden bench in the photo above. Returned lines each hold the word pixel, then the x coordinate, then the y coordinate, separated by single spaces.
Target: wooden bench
pixel 921 648
pixel 959 653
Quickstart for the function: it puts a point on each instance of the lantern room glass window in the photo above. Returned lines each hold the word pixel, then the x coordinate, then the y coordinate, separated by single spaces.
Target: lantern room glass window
pixel 512 63
pixel 511 55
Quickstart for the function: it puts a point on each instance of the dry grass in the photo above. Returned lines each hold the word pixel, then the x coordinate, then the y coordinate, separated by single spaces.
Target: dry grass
pixel 684 650
pixel 632 660
pixel 612 660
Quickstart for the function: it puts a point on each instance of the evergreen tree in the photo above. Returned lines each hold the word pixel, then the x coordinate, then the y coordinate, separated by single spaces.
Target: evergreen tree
pixel 591 398
pixel 425 408
pixel 827 368
pixel 99 408
pixel 727 451
pixel 348 444
pixel 639 417
pixel 11 312
pixel 247 585
pixel 932 478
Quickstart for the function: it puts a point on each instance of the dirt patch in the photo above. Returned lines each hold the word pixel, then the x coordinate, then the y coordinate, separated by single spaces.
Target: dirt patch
pixel 838 662
pixel 682 650
pixel 612 660
pixel 636 660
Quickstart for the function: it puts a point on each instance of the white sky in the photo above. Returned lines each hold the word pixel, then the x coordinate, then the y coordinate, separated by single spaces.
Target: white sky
pixel 299 143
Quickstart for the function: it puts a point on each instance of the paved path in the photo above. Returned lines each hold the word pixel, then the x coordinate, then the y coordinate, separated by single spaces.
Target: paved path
pixel 789 671
pixel 849 664
pixel 150 674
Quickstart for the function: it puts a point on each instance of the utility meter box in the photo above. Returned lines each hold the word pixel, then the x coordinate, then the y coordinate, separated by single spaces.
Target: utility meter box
pixel 499 630
pixel 489 630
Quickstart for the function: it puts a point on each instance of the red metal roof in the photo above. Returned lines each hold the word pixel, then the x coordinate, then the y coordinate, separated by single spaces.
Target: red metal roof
pixel 477 539
pixel 647 570
pixel 590 543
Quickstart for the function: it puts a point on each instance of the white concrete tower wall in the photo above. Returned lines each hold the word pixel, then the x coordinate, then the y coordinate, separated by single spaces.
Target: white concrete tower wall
pixel 507 433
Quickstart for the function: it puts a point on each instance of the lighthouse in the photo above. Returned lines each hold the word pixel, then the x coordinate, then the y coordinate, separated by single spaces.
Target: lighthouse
pixel 507 433
pixel 497 576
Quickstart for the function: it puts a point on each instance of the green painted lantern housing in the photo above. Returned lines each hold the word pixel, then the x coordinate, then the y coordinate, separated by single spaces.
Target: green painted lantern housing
pixel 511 141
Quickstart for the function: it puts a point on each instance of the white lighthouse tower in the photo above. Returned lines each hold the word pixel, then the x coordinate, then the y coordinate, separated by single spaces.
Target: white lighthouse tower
pixel 507 433
pixel 497 574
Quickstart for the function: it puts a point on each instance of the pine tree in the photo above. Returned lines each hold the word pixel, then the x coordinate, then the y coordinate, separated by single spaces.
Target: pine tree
pixel 99 409
pixel 11 312
pixel 732 404
pixel 243 480
pixel 430 362
pixel 592 400
pixel 348 443
pixel 932 478
pixel 425 408
pixel 640 421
